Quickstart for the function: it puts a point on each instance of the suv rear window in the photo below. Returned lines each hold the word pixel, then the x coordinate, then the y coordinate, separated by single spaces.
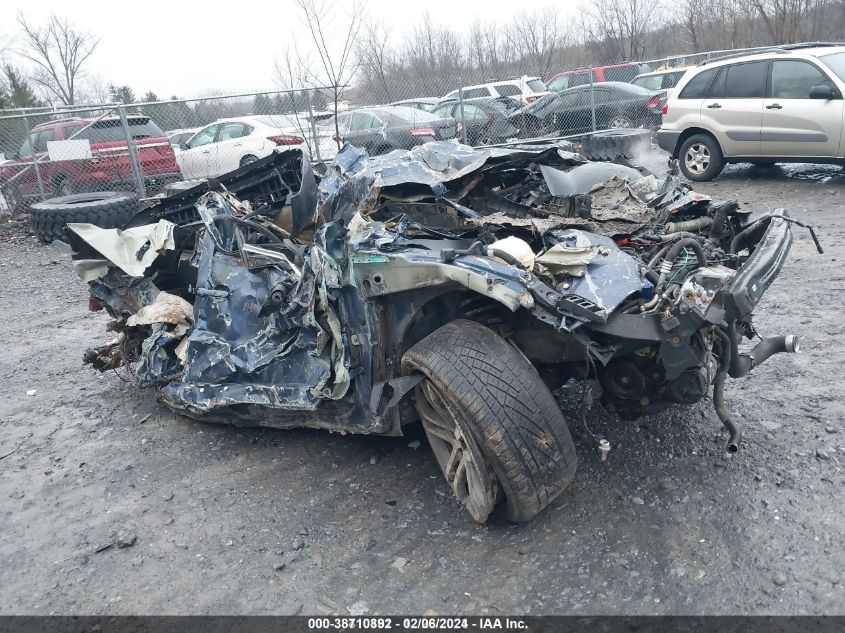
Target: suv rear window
pixel 697 87
pixel 625 74
pixel 507 90
pixel 110 130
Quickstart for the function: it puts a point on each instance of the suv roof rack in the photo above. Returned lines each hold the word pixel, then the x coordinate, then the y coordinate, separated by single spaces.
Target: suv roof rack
pixel 782 49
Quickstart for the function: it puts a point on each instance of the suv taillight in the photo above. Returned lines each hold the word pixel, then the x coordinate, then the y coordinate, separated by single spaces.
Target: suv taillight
pixel 665 109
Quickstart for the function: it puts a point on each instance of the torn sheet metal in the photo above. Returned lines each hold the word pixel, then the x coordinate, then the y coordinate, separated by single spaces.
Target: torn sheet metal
pixel 238 352
pixel 610 277
pixel 582 178
pixel 132 250
pixel 566 259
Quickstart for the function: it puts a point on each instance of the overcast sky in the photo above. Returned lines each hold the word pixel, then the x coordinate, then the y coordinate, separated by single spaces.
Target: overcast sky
pixel 192 48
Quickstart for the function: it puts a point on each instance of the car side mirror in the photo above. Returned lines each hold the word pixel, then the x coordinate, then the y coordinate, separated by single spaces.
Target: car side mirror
pixel 822 91
pixel 184 145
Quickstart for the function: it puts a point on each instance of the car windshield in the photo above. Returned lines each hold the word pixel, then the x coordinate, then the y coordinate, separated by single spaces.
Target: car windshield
pixel 536 85
pixel 410 115
pixel 836 62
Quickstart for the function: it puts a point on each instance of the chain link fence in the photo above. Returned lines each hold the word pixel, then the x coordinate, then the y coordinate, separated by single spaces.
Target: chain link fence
pixel 141 147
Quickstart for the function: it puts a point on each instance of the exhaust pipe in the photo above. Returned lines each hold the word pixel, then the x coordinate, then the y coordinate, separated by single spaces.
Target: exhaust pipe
pixel 741 364
pixel 736 366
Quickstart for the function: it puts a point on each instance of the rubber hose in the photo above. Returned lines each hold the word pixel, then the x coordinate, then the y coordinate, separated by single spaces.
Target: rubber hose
pixel 735 435
pixel 678 246
pixel 744 233
pixel 689 225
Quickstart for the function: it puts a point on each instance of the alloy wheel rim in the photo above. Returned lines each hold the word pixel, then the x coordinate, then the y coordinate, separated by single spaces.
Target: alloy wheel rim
pixel 697 158
pixel 461 461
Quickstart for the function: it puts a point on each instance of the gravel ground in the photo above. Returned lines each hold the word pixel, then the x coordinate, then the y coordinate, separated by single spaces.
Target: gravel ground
pixel 111 504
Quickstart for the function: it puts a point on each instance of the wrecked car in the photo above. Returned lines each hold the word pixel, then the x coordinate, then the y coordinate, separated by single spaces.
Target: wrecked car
pixel 450 285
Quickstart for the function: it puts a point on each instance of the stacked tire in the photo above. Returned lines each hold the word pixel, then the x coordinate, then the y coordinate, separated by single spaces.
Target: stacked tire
pixel 616 144
pixel 106 209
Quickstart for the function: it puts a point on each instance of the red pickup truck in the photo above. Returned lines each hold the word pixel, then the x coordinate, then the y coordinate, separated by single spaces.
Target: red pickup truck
pixel 108 167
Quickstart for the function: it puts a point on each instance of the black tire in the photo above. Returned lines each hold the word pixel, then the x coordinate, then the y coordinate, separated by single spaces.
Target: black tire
pixel 703 164
pixel 616 144
pixel 106 209
pixel 501 402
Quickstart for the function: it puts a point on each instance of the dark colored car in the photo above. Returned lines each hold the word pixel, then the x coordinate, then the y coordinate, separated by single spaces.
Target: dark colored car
pixel 385 128
pixel 617 105
pixel 485 121
pixel 581 76
pixel 108 166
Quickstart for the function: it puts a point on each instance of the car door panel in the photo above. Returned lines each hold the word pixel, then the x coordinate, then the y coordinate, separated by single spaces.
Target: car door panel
pixel 794 124
pixel 233 144
pixel 200 158
pixel 733 110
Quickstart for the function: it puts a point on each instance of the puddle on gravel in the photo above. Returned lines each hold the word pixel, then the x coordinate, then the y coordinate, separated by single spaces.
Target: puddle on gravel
pixel 826 174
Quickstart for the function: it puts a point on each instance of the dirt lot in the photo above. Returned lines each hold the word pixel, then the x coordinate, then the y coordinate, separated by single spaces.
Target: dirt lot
pixel 111 504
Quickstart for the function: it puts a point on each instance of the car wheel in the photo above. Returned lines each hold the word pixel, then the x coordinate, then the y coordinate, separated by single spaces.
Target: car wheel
pixel 493 425
pixel 249 158
pixel 701 158
pixel 106 209
pixel 620 121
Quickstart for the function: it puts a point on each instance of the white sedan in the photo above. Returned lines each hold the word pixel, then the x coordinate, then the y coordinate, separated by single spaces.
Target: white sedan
pixel 228 144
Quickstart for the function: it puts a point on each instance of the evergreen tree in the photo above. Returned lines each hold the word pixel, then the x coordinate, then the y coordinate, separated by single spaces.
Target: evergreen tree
pixel 20 93
pixel 122 94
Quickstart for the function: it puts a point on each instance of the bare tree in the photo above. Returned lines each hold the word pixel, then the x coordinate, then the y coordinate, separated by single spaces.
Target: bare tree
pixel 292 73
pixel 784 19
pixel 620 27
pixel 374 60
pixel 434 55
pixel 94 89
pixel 58 50
pixel 537 38
pixel 334 44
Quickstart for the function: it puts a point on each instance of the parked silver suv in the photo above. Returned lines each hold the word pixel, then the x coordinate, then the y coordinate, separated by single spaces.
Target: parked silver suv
pixel 781 105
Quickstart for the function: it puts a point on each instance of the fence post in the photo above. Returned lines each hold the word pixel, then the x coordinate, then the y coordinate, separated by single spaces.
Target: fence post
pixel 592 101
pixel 133 154
pixel 34 159
pixel 463 125
pixel 316 140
